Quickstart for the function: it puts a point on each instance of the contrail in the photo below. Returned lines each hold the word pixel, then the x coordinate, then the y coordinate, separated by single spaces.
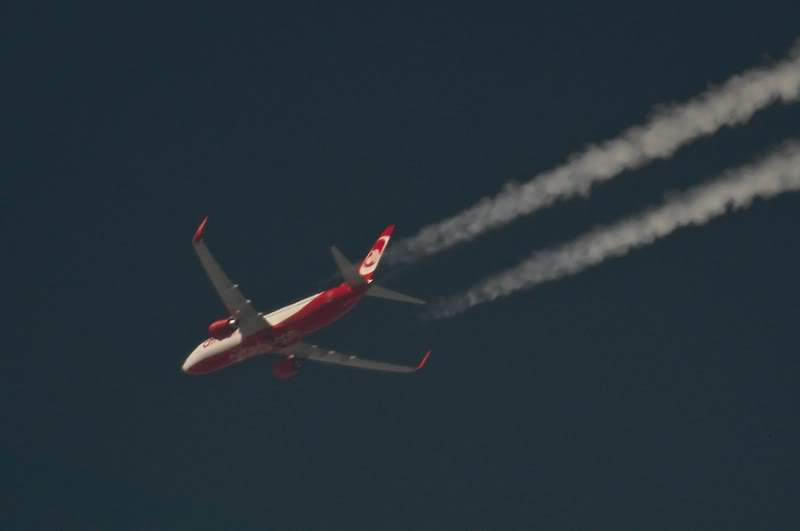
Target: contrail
pixel 668 128
pixel 777 173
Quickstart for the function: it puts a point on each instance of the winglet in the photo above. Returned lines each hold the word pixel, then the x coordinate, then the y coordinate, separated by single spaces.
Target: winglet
pixel 198 234
pixel 424 360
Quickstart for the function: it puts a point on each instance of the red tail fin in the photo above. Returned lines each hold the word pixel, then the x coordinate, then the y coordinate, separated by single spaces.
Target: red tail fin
pixel 370 263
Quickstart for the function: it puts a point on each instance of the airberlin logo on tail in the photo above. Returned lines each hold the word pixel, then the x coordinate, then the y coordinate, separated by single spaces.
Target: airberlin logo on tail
pixel 374 256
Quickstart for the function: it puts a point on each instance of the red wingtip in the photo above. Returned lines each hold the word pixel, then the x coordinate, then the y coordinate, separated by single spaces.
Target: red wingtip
pixel 424 360
pixel 388 230
pixel 198 234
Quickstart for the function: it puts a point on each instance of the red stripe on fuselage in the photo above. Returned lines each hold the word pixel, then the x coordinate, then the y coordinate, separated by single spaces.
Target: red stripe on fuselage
pixel 324 309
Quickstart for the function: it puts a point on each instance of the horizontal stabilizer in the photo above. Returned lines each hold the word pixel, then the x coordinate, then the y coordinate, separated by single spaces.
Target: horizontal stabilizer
pixel 385 293
pixel 347 269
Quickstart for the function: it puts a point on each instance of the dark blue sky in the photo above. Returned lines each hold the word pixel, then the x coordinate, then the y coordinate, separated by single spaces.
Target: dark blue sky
pixel 657 391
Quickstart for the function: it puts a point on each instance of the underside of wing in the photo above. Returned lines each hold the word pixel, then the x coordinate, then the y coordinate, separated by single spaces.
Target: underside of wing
pixel 239 307
pixel 314 353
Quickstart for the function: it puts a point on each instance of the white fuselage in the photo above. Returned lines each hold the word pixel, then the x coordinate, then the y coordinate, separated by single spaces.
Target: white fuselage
pixel 286 326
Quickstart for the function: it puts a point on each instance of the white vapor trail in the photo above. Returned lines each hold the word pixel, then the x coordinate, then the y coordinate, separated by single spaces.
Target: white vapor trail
pixel 669 128
pixel 777 173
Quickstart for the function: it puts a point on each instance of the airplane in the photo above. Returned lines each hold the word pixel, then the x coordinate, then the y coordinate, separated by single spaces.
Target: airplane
pixel 247 333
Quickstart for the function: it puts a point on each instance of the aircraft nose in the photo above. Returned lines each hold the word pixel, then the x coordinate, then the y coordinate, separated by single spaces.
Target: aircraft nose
pixel 190 362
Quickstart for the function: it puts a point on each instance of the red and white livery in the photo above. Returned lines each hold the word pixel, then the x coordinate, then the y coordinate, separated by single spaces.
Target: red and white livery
pixel 246 333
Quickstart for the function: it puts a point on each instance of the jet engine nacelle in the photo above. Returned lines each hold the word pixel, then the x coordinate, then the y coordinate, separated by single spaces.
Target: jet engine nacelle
pixel 222 328
pixel 285 368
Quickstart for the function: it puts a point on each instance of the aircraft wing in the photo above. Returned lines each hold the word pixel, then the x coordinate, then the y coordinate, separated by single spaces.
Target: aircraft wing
pixel 306 351
pixel 239 307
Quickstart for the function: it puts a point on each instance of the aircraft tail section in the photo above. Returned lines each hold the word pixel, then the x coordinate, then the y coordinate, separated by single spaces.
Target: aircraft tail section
pixel 362 274
pixel 386 293
pixel 367 268
pixel 347 269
